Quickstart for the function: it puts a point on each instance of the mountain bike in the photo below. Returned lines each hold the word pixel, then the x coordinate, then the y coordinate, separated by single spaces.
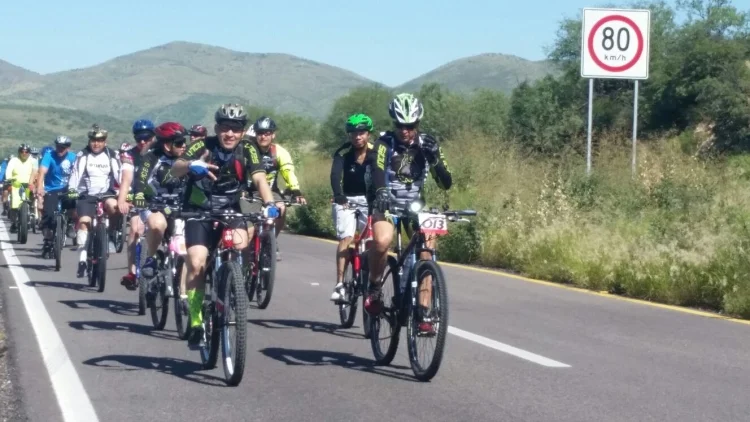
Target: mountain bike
pixel 261 270
pixel 59 239
pixel 356 275
pixel 407 276
pixel 23 213
pixel 225 294
pixel 97 243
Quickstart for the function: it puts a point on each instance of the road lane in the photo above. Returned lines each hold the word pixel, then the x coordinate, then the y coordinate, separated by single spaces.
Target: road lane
pixel 627 361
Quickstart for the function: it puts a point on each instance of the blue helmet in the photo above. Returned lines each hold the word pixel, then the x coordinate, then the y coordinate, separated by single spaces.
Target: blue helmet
pixel 143 125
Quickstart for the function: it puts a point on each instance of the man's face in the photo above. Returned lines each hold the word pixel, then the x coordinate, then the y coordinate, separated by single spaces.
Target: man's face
pixel 143 140
pixel 97 145
pixel 265 138
pixel 61 150
pixel 406 133
pixel 229 133
pixel 23 155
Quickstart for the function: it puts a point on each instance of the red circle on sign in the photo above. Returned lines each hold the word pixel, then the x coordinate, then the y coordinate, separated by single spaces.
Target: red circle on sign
pixel 638 52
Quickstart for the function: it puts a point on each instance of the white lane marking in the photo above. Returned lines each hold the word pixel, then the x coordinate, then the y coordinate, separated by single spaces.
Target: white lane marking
pixel 523 354
pixel 12 287
pixel 71 396
pixel 315 284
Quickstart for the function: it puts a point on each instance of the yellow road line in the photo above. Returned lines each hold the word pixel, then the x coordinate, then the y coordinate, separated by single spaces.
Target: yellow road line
pixel 578 289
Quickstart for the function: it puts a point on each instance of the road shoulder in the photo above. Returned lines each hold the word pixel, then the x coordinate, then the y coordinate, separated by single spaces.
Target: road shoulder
pixel 11 404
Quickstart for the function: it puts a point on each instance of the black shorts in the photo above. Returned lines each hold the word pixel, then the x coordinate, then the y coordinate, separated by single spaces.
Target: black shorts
pixel 86 206
pixel 51 200
pixel 203 232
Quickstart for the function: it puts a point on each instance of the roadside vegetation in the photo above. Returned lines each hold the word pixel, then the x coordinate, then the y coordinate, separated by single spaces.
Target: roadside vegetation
pixel 678 232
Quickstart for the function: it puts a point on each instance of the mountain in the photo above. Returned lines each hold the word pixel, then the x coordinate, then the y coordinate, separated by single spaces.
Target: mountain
pixel 186 82
pixel 494 71
pixel 12 76
pixel 160 77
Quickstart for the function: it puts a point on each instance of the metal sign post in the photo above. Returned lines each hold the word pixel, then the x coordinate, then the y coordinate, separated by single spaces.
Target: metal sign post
pixel 614 45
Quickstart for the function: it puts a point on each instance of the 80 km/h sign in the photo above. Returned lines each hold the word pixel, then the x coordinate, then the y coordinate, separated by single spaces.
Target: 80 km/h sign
pixel 615 43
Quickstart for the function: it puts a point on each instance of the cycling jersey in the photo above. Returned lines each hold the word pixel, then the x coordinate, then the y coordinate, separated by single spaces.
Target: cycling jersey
pixel 402 168
pixel 235 168
pixel 58 170
pixel 3 166
pixel 95 174
pixel 20 171
pixel 345 165
pixel 154 177
pixel 277 160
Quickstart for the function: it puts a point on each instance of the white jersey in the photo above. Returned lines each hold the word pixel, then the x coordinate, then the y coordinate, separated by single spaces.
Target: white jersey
pixel 94 174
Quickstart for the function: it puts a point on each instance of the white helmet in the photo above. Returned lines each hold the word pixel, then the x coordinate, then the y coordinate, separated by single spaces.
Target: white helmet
pixel 406 109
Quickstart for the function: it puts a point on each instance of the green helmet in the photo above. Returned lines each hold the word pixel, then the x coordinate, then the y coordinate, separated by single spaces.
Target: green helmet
pixel 358 122
pixel 406 109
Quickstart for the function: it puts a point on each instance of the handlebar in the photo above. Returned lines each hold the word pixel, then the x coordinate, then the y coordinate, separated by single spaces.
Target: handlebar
pixel 452 215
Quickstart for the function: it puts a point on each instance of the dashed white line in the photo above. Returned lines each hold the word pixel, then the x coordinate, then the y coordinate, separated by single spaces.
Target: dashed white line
pixel 315 284
pixel 523 354
pixel 72 399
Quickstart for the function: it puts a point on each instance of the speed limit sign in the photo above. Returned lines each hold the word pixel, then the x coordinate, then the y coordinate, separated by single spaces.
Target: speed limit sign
pixel 615 43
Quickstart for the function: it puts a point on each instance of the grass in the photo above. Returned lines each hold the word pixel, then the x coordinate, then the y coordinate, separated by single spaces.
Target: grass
pixel 676 234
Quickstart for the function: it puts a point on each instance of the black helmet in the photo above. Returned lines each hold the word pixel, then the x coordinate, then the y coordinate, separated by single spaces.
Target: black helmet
pixel 232 113
pixel 264 124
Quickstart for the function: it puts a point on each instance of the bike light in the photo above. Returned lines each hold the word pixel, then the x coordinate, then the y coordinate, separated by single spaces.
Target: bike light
pixel 415 206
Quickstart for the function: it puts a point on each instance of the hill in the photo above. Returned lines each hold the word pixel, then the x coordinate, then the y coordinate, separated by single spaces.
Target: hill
pixel 39 126
pixel 500 72
pixel 12 76
pixel 158 78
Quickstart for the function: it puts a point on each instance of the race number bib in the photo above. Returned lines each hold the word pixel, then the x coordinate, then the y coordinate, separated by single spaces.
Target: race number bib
pixel 434 224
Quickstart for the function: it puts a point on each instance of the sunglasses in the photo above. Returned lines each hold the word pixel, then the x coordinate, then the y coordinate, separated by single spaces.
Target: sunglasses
pixel 178 144
pixel 410 126
pixel 226 127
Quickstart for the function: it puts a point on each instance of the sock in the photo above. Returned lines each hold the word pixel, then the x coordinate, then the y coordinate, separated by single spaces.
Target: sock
pixel 195 303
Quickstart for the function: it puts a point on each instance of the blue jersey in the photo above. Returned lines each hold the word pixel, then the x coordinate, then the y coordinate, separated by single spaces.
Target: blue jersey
pixel 58 170
pixel 3 166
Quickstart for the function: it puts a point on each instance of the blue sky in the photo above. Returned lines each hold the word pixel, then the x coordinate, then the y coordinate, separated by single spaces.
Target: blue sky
pixel 390 41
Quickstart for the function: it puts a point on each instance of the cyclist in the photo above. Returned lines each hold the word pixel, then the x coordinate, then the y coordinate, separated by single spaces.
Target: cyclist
pixel 20 170
pixel 398 164
pixel 144 135
pixel 3 184
pixel 95 172
pixel 153 180
pixel 276 160
pixel 349 164
pixel 197 133
pixel 51 187
pixel 226 163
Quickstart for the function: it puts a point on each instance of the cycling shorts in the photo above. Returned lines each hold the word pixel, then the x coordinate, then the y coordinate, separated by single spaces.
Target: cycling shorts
pixel 345 220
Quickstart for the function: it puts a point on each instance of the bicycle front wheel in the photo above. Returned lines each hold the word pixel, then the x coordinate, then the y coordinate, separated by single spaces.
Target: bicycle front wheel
pixel 23 223
pixel 266 269
pixel 160 304
pixel 181 313
pixel 233 321
pixel 385 328
pixel 424 363
pixel 59 240
pixel 102 250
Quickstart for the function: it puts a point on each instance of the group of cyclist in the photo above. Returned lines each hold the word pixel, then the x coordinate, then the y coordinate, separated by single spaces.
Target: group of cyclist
pixel 240 167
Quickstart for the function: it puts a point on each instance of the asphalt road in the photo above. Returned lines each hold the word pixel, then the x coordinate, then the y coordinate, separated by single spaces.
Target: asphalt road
pixel 545 354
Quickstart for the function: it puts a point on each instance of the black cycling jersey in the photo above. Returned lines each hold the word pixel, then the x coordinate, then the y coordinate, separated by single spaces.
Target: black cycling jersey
pixel 345 166
pixel 154 177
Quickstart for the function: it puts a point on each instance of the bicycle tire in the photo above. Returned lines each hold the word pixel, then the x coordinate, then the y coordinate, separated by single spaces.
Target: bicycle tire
pixel 231 286
pixel 348 309
pixel 57 245
pixel 162 278
pixel 391 314
pixel 210 352
pixel 142 254
pixel 364 280
pixel 426 373
pixel 23 223
pixel 267 259
pixel 181 314
pixel 102 251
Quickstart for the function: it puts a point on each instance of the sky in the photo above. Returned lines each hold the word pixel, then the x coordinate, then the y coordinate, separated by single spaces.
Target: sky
pixel 389 41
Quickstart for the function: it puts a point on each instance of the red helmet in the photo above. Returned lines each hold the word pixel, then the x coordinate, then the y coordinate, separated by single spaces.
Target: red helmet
pixel 170 131
pixel 198 130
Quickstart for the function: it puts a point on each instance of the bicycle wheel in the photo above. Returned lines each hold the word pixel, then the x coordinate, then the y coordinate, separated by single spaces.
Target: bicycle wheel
pixel 141 251
pixel 388 338
pixel 102 250
pixel 425 369
pixel 119 234
pixel 181 313
pixel 160 304
pixel 23 223
pixel 232 315
pixel 58 240
pixel 364 280
pixel 210 350
pixel 266 269
pixel 348 308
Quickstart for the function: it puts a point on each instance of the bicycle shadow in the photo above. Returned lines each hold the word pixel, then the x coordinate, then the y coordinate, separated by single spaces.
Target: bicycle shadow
pixel 35 267
pixel 114 306
pixel 62 284
pixel 129 327
pixel 315 326
pixel 184 369
pixel 308 357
